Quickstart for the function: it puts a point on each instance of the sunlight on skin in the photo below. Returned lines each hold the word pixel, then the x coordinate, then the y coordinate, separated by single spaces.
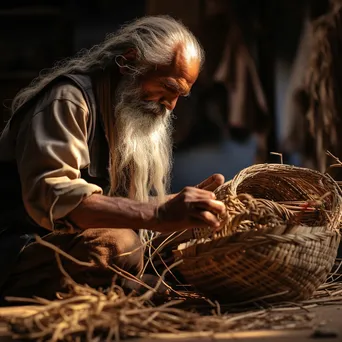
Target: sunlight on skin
pixel 166 84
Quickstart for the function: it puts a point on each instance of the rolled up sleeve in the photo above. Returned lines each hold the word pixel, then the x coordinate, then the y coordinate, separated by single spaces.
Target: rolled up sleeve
pixel 51 150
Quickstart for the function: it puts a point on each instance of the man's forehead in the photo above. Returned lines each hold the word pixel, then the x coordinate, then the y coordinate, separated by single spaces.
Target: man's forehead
pixel 184 66
pixel 186 63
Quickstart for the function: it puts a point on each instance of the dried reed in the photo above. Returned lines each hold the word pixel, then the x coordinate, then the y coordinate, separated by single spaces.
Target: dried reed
pixel 92 315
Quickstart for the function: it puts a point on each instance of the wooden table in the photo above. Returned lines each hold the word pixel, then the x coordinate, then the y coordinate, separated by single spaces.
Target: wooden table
pixel 329 315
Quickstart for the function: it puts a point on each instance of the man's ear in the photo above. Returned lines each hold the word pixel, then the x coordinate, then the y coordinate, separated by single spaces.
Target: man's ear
pixel 131 54
pixel 126 61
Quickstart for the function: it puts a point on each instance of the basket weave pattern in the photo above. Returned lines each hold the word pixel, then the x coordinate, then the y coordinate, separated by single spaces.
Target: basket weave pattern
pixel 279 238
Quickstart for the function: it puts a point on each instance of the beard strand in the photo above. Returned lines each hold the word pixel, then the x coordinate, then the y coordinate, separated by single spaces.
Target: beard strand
pixel 142 158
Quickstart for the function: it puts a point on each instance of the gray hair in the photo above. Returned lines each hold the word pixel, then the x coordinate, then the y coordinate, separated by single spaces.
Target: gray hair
pixel 153 37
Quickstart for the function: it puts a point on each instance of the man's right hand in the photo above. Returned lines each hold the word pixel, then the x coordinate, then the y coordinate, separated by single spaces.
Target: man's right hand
pixel 191 208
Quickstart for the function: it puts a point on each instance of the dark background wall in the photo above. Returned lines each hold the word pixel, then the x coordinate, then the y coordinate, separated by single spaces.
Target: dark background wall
pixel 35 34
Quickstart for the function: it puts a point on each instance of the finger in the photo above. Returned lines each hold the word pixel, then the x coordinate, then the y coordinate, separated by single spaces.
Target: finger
pixel 206 217
pixel 217 207
pixel 212 182
pixel 197 194
pixel 220 227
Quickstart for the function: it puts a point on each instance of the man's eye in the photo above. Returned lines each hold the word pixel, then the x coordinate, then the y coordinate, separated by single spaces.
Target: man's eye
pixel 171 90
pixel 168 88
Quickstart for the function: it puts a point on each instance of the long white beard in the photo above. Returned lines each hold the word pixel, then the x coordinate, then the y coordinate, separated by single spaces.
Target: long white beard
pixel 143 155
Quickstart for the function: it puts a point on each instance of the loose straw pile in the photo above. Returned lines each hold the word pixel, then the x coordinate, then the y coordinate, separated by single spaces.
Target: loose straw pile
pixel 91 315
pixel 111 315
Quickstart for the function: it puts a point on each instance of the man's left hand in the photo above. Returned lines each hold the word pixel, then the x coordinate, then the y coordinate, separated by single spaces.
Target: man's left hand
pixel 212 182
pixel 209 184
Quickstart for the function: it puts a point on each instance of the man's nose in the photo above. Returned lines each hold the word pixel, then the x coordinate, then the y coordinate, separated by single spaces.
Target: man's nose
pixel 169 103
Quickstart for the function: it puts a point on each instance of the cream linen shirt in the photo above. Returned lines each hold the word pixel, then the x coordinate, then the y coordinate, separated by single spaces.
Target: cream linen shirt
pixel 50 149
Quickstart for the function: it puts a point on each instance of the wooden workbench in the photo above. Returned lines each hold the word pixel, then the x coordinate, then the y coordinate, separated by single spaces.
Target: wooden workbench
pixel 328 328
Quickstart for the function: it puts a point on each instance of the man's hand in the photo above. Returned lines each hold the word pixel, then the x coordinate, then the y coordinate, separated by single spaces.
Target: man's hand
pixel 212 182
pixel 191 208
pixel 209 184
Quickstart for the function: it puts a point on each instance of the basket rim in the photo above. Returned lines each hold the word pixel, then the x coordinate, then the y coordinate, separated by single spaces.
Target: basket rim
pixel 269 167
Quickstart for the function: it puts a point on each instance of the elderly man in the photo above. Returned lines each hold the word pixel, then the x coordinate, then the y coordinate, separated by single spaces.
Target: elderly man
pixel 86 158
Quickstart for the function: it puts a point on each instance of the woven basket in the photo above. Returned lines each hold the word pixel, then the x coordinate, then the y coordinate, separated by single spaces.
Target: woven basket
pixel 279 239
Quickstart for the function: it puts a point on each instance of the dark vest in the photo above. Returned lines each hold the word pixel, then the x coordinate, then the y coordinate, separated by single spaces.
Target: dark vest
pixel 16 227
pixel 97 171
